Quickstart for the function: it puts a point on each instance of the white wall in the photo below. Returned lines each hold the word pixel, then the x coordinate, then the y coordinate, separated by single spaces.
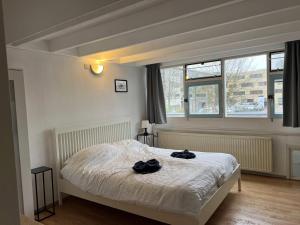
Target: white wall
pixel 282 137
pixel 60 92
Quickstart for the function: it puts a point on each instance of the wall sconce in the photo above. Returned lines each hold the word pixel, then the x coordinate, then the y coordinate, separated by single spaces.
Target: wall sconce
pixel 96 69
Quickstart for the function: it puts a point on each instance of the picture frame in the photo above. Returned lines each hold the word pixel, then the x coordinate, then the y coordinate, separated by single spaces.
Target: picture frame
pixel 121 85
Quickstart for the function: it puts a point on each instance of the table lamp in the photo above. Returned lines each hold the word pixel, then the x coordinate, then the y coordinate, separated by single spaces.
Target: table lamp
pixel 145 124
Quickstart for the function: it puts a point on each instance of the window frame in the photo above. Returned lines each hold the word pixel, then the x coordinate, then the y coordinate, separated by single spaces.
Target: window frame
pixel 172 115
pixel 271 91
pixel 208 81
pixel 224 85
pixel 220 80
pixel 202 78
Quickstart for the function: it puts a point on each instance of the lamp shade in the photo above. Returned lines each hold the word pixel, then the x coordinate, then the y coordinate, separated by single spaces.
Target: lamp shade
pixel 96 69
pixel 145 124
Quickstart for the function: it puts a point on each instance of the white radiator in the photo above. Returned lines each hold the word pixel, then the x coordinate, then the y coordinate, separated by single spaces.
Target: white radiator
pixel 254 153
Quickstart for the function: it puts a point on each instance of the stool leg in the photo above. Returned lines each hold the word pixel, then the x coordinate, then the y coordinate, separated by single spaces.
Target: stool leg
pixel 153 140
pixel 37 198
pixel 53 204
pixel 44 190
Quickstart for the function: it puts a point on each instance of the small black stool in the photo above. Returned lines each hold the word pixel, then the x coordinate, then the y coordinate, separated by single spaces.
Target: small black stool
pixel 37 171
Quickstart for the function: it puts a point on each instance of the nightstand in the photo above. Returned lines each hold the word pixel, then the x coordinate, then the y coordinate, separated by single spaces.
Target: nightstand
pixel 42 170
pixel 147 138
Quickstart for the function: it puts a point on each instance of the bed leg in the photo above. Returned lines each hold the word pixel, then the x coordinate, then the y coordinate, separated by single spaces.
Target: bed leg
pixel 239 184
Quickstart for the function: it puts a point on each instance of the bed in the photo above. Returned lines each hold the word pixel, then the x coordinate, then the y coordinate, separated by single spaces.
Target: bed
pixel 94 163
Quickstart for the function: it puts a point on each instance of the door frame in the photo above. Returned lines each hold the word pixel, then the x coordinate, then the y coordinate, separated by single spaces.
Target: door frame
pixel 25 164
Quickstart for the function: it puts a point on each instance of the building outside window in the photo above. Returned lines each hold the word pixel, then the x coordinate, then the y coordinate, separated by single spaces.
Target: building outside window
pixel 204 99
pixel 276 83
pixel 173 85
pixel 246 97
pixel 275 90
pixel 278 96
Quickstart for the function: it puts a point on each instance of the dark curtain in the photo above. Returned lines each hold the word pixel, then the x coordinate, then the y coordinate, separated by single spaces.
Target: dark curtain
pixel 156 110
pixel 291 85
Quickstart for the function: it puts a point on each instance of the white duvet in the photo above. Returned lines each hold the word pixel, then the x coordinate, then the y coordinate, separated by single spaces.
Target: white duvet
pixel 181 186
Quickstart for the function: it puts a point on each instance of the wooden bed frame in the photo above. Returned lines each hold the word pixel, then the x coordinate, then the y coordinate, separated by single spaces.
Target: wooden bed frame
pixel 68 141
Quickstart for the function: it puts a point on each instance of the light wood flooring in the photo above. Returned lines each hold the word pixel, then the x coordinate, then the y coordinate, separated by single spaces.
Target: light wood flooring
pixel 263 201
pixel 27 221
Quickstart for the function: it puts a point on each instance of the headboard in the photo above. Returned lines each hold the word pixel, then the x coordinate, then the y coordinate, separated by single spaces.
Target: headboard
pixel 71 140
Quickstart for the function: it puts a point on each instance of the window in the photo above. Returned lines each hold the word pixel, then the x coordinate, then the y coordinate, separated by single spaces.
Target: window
pixel 275 90
pixel 203 70
pixel 248 86
pixel 253 70
pixel 257 92
pixel 255 75
pixel 173 85
pixel 276 61
pixel 240 77
pixel 264 83
pixel 204 99
pixel 238 93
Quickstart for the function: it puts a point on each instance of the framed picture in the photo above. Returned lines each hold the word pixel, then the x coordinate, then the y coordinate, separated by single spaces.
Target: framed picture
pixel 121 85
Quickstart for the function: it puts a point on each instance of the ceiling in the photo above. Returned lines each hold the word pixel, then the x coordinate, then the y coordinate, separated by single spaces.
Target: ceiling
pixel 141 32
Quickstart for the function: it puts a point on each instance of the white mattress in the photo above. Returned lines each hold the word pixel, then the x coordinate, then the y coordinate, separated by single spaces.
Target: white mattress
pixel 181 186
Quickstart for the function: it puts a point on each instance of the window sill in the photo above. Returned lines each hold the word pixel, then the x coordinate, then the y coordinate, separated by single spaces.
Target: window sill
pixel 221 117
pixel 205 116
pixel 175 116
pixel 253 117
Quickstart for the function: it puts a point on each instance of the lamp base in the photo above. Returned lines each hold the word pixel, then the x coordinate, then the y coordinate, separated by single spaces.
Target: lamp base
pixel 146 132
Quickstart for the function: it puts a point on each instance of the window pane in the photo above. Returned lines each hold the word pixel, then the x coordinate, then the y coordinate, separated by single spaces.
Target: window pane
pixel 277 61
pixel 278 96
pixel 201 70
pixel 173 90
pixel 204 99
pixel 246 86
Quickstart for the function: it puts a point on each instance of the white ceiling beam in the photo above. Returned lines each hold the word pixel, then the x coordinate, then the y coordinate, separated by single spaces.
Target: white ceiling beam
pixel 214 18
pixel 109 12
pixel 200 53
pixel 217 41
pixel 167 11
pixel 269 21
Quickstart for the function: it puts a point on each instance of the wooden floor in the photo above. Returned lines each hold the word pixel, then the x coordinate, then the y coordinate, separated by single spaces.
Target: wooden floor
pixel 263 201
pixel 27 221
